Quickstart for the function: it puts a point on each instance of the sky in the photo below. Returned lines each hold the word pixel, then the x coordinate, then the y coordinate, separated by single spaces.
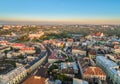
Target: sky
pixel 60 11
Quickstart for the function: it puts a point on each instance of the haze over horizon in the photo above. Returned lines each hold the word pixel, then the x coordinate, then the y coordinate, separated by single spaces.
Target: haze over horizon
pixel 60 11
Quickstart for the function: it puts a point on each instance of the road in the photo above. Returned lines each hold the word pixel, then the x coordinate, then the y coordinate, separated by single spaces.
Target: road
pixel 40 68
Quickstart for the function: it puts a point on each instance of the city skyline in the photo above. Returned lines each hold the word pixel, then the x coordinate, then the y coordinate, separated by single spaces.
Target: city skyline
pixel 60 11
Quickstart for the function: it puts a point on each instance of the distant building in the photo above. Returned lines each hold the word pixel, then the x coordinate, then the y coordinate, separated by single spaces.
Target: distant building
pixel 6 27
pixel 117 51
pixel 99 34
pixel 4 48
pixel 1 27
pixel 37 35
pixel 28 50
pixel 70 40
pixel 51 41
pixel 77 51
pixel 18 53
pixel 76 44
pixel 18 45
pixel 2 55
pixel 60 44
pixel 68 44
pixel 4 42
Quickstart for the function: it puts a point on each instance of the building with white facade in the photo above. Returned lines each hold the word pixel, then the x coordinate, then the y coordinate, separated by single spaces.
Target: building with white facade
pixel 14 76
pixel 36 62
pixel 18 45
pixel 110 68
pixel 37 35
pixel 28 50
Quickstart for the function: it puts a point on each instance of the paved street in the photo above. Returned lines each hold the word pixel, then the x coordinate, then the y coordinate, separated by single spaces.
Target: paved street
pixel 41 70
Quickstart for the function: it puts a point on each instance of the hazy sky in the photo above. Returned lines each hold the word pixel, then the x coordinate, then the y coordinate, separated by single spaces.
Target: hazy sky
pixel 61 11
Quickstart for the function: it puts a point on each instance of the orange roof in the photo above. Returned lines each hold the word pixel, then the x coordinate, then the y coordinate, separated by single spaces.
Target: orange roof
pixel 28 48
pixel 35 80
pixel 17 44
pixel 94 71
pixel 3 42
pixel 98 33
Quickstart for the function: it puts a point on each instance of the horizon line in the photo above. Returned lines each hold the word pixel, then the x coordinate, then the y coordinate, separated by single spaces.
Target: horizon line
pixel 58 22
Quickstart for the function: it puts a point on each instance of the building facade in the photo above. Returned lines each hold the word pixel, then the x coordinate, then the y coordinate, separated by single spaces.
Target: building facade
pixel 110 68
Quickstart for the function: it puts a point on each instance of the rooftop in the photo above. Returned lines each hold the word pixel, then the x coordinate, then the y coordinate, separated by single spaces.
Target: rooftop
pixel 84 62
pixel 28 48
pixel 35 80
pixel 55 55
pixel 113 67
pixel 69 64
pixel 18 44
pixel 95 71
pixel 79 81
pixel 3 47
pixel 107 62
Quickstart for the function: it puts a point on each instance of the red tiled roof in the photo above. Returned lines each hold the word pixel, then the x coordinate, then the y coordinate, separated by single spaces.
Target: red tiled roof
pixel 98 34
pixel 94 71
pixel 17 44
pixel 3 42
pixel 92 52
pixel 35 80
pixel 28 48
pixel 54 55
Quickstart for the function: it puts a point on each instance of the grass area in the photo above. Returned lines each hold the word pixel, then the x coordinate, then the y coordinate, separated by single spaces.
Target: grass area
pixel 52 68
pixel 47 36
pixel 63 55
pixel 61 77
pixel 69 59
pixel 57 75
pixel 20 57
pixel 11 62
pixel 59 61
